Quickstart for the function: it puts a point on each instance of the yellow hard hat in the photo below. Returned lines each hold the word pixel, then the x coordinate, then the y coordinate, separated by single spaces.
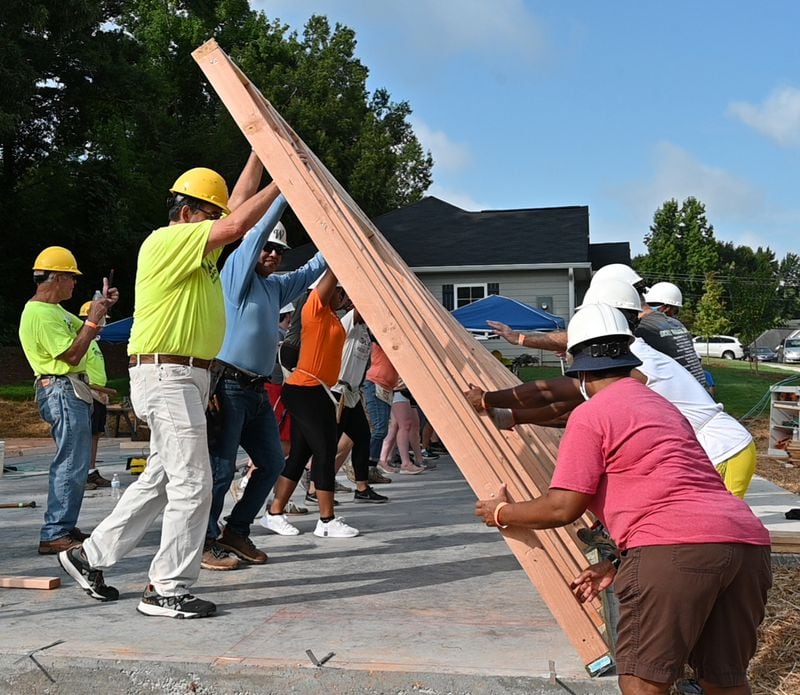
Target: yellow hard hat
pixel 58 259
pixel 203 184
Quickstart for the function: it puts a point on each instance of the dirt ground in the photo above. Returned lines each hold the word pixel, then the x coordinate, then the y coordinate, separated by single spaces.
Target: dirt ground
pixel 775 670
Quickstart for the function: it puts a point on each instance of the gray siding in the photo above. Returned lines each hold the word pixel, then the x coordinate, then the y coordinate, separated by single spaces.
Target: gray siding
pixel 523 285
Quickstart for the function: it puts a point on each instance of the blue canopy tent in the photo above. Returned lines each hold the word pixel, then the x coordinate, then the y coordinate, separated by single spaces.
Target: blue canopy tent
pixel 117 332
pixel 517 315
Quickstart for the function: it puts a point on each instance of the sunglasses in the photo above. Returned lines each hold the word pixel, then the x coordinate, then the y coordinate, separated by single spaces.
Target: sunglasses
pixel 214 214
pixel 269 248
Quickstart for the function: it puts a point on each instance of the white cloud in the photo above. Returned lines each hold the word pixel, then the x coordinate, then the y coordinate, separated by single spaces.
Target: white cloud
pixel 499 32
pixel 739 211
pixel 778 118
pixel 447 154
pixel 678 174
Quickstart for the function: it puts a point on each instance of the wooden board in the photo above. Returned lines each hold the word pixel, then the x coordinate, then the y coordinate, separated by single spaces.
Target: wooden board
pixel 785 541
pixel 22 582
pixel 433 353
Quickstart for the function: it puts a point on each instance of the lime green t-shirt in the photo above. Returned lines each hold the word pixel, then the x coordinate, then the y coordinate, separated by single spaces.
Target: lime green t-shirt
pixel 179 309
pixel 96 365
pixel 47 330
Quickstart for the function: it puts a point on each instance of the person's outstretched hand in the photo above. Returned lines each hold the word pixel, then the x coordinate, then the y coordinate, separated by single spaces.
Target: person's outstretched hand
pixel 504 331
pixel 589 583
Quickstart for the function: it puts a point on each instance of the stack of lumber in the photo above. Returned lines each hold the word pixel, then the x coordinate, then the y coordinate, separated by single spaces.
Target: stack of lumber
pixel 434 355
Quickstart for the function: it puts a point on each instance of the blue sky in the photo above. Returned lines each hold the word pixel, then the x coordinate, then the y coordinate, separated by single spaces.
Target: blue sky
pixel 615 105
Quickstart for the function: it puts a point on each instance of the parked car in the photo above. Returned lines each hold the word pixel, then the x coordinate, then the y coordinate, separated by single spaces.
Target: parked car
pixel 791 350
pixel 725 346
pixel 764 354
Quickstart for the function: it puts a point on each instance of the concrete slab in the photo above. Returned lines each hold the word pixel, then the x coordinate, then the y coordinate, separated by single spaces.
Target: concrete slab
pixel 426 600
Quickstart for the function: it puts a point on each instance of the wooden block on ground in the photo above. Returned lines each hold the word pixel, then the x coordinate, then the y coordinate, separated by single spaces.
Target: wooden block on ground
pixel 29 582
pixel 785 541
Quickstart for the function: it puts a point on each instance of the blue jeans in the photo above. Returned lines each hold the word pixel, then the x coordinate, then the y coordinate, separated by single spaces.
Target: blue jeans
pixel 378 413
pixel 70 421
pixel 247 420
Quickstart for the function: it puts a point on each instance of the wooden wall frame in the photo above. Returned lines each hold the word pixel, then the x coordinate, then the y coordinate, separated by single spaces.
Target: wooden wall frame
pixel 435 356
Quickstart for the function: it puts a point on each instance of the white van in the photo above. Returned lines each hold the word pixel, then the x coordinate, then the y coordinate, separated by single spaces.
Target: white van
pixel 726 346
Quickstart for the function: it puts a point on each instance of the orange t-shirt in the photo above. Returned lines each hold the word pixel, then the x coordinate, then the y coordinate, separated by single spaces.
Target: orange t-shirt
pixel 381 370
pixel 321 341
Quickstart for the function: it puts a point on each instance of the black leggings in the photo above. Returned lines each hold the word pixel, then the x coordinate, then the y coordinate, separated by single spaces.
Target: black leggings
pixel 354 424
pixel 314 434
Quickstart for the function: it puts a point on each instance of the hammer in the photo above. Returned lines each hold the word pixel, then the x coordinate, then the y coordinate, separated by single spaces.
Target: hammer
pixel 18 505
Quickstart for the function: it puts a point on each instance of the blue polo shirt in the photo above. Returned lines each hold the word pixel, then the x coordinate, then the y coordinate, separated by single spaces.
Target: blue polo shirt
pixel 253 303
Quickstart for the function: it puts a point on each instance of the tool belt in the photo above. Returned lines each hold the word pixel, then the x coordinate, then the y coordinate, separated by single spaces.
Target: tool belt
pixel 161 358
pixel 245 379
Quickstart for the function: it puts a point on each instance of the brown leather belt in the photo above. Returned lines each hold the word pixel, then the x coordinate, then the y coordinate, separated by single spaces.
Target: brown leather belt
pixel 160 358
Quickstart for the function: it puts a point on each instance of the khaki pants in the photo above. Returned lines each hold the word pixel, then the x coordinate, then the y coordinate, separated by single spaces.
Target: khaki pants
pixel 172 400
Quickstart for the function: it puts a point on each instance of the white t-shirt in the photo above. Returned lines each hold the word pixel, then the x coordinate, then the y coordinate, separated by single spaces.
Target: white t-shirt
pixel 720 435
pixel 355 357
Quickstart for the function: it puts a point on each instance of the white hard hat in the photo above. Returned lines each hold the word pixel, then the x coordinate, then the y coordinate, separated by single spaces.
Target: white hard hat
pixel 286 309
pixel 616 293
pixel 278 236
pixel 598 338
pixel 596 321
pixel 664 293
pixel 617 271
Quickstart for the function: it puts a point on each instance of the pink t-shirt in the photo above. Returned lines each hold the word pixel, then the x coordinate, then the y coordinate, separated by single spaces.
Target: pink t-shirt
pixel 651 482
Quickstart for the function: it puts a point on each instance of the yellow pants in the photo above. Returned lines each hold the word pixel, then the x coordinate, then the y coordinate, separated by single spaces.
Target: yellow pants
pixel 738 470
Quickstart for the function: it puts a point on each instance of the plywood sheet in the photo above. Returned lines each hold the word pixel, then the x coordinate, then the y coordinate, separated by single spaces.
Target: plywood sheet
pixel 434 355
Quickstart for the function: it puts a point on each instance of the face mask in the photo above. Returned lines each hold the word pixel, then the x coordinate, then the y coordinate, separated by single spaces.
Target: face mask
pixel 582 386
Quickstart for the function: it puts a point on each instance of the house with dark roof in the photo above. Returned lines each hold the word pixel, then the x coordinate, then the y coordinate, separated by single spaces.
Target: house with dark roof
pixel 539 256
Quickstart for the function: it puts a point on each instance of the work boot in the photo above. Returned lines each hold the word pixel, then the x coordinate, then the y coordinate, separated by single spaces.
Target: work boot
pixel 58 545
pixel 98 480
pixel 242 547
pixel 215 557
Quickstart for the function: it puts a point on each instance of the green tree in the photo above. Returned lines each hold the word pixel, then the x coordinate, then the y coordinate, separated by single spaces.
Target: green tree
pixel 752 285
pixel 789 286
pixel 103 106
pixel 710 317
pixel 681 247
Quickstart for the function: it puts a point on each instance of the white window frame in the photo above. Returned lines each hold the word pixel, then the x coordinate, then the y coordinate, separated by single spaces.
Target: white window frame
pixel 485 286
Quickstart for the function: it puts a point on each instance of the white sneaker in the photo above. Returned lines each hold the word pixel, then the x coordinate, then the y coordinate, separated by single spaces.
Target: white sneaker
pixel 335 528
pixel 278 524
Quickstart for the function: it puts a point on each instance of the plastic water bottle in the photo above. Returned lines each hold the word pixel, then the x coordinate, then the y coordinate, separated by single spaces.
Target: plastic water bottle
pixel 116 487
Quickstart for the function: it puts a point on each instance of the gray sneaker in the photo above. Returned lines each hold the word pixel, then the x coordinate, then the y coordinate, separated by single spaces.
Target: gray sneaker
pixel 183 606
pixel 89 579
pixel 338 487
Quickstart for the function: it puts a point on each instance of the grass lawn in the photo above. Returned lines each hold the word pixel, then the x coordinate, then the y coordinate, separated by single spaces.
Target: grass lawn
pixel 24 392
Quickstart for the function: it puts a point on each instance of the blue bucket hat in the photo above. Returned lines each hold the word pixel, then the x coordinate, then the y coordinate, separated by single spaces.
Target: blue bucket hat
pixel 600 356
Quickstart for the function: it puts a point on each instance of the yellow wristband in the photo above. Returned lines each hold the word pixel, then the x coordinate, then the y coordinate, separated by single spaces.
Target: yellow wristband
pixel 497 515
pixel 91 324
pixel 521 339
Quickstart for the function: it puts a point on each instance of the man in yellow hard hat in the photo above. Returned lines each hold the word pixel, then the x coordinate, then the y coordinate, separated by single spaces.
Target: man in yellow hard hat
pixel 55 343
pixel 178 327
pixel 96 369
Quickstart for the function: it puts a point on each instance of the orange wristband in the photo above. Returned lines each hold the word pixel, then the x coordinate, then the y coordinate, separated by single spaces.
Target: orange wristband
pixel 483 401
pixel 91 324
pixel 497 515
pixel 521 339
